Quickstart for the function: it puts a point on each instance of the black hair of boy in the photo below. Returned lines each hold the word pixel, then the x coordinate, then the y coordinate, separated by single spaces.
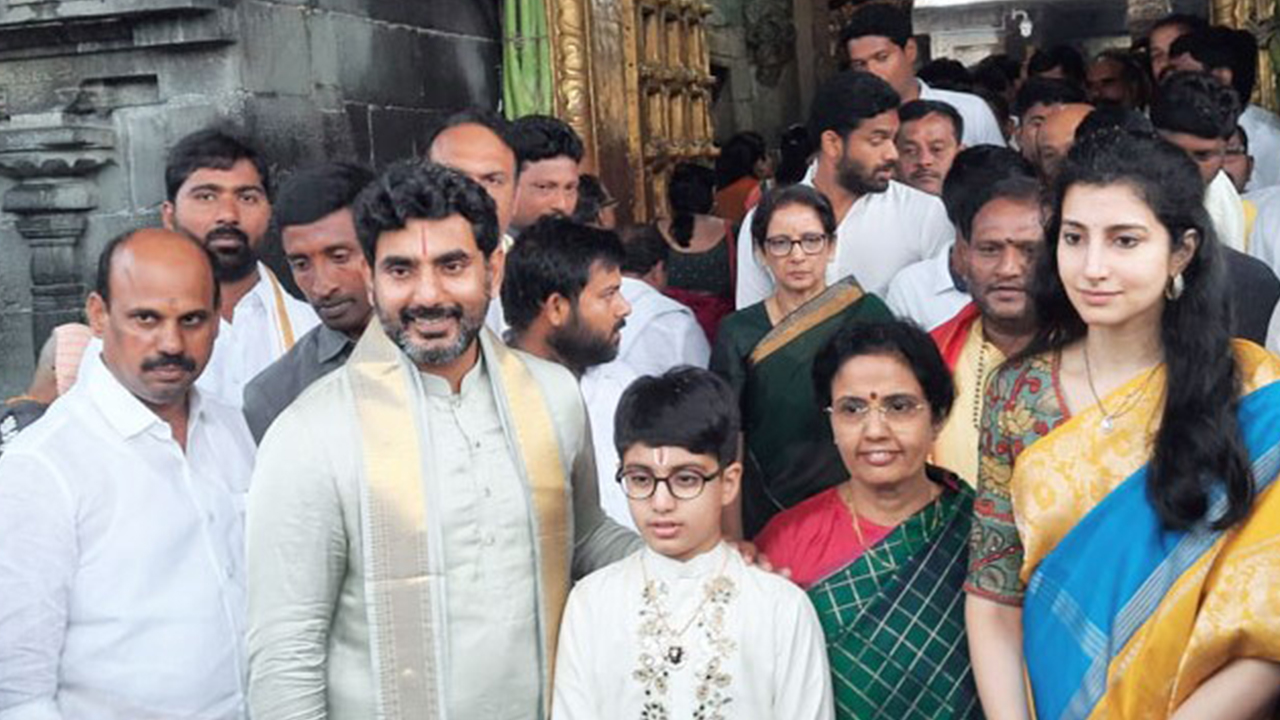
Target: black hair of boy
pixel 1045 91
pixel 535 138
pixel 685 407
pixel 878 20
pixel 645 248
pixel 981 174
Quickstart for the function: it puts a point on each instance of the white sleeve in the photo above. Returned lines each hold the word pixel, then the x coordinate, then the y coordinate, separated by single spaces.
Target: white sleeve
pixel 981 127
pixel 1273 332
pixel 1263 239
pixel 691 341
pixel 896 297
pixel 802 679
pixel 936 231
pixel 38 562
pixel 573 696
pixel 753 283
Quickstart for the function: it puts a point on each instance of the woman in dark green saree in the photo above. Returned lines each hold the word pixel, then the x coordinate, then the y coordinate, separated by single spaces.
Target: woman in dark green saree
pixel 766 351
pixel 883 555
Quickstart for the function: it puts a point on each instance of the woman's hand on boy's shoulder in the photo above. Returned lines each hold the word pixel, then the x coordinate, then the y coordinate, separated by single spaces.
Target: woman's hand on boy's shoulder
pixel 751 555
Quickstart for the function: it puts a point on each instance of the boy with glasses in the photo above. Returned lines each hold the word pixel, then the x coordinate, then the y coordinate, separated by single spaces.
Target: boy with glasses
pixel 684 628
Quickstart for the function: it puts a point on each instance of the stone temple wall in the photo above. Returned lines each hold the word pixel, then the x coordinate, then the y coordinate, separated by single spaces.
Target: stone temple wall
pixel 93 93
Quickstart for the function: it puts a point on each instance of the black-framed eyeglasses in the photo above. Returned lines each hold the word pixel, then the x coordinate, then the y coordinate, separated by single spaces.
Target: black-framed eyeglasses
pixel 684 484
pixel 784 245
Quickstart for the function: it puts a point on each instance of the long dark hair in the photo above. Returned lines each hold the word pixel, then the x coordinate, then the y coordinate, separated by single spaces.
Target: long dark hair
pixel 691 192
pixel 1198 444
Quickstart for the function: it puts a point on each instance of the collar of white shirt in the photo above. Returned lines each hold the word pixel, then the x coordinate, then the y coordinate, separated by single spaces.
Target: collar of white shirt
pixel 124 412
pixel 704 565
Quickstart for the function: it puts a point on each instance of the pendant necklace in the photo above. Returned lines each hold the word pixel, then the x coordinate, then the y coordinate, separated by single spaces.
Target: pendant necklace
pixel 675 653
pixel 1130 402
pixel 846 494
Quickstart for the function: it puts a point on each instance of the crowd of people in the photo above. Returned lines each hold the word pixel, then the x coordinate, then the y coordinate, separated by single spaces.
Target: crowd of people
pixel 963 405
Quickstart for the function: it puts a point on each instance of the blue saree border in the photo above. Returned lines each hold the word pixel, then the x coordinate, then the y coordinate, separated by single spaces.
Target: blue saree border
pixel 1076 619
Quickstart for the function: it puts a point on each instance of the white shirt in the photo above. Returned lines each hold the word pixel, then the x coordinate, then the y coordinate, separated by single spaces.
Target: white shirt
pixel 253 339
pixel 980 126
pixel 1263 128
pixel 759 640
pixel 602 388
pixel 1225 209
pixel 926 293
pixel 1264 241
pixel 122 574
pixel 881 234
pixel 660 333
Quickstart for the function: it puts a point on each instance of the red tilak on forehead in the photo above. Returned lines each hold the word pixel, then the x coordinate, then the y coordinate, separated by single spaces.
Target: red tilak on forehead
pixel 422 233
pixel 875 396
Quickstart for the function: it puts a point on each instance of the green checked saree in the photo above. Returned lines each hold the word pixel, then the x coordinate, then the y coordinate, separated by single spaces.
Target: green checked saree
pixel 894 619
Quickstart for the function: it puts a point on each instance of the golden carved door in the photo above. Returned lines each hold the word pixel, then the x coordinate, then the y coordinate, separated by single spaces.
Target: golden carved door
pixel 633 77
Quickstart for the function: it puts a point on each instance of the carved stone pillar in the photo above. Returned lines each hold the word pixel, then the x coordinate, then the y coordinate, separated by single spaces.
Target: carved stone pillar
pixel 53 159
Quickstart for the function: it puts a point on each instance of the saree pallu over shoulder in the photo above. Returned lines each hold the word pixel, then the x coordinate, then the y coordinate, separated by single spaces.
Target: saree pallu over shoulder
pixel 894 620
pixel 830 304
pixel 406 620
pixel 1124 618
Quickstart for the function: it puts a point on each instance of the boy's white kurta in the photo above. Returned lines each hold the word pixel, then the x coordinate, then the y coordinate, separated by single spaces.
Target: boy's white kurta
pixel 764 658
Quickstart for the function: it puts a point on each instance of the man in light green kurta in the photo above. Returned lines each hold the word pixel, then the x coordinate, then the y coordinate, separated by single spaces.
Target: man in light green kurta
pixel 415 517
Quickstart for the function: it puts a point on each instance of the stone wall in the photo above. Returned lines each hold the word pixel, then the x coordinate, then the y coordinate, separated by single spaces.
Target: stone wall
pixel 93 92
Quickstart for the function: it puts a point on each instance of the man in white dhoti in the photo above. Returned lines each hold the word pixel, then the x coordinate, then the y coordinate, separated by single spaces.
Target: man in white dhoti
pixel 422 509
pixel 684 628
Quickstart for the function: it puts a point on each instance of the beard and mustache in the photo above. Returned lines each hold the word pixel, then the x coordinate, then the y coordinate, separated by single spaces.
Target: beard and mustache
pixel 581 347
pixel 397 328
pixel 231 264
pixel 854 176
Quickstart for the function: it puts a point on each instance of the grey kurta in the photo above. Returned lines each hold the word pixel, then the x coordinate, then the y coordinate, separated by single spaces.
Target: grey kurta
pixel 309 637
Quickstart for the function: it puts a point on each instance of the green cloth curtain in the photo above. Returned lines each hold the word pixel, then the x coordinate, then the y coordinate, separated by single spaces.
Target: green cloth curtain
pixel 527 75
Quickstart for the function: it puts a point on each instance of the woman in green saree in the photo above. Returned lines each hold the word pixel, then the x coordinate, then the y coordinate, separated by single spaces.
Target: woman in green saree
pixel 765 352
pixel 883 554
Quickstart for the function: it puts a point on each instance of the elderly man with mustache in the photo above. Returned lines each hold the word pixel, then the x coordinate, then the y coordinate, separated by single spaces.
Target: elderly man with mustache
pixel 218 189
pixel 994 199
pixel 122 561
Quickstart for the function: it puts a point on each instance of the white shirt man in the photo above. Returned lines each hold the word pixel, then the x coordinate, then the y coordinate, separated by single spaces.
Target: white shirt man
pixel 660 333
pixel 602 387
pixel 926 292
pixel 264 326
pixel 980 126
pixel 1263 128
pixel 880 235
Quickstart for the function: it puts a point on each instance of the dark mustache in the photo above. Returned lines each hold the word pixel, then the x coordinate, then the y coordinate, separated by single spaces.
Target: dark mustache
pixel 166 360
pixel 431 312
pixel 227 231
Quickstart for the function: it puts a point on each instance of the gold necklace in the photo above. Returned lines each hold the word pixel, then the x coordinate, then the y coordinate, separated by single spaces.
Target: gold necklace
pixel 846 494
pixel 1130 402
pixel 674 653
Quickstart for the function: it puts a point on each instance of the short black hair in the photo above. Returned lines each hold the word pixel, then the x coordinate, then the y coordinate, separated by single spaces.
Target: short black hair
pixel 317 191
pixel 553 256
pixel 1059 56
pixel 471 116
pixel 1133 73
pixel 1196 104
pixel 846 99
pixel 947 74
pixel 878 20
pixel 593 198
pixel 1114 117
pixel 778 198
pixel 685 407
pixel 1190 23
pixel 106 260
pixel 645 248
pixel 981 174
pixel 542 137
pixel 738 157
pixel 996 73
pixel 217 148
pixel 1220 47
pixel 917 109
pixel 1045 91
pixel 421 190
pixel 899 338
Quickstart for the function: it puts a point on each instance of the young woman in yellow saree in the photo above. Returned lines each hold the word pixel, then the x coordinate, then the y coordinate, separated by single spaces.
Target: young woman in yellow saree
pixel 1125 557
